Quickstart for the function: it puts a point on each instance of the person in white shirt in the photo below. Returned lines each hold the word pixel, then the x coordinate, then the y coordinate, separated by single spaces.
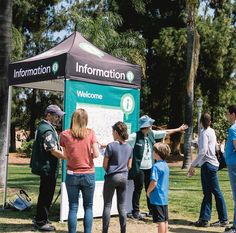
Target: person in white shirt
pixel 209 164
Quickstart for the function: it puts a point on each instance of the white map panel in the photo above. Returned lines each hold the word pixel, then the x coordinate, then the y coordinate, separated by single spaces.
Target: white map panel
pixel 101 120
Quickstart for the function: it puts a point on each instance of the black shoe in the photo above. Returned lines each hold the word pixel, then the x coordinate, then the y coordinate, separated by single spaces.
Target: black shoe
pixel 230 230
pixel 201 223
pixel 219 224
pixel 41 222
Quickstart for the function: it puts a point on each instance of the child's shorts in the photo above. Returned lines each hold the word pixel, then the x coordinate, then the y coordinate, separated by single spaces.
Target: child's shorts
pixel 159 213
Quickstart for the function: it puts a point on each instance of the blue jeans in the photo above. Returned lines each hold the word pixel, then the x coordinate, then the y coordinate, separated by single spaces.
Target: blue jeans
pixel 114 182
pixel 86 184
pixel 232 178
pixel 210 185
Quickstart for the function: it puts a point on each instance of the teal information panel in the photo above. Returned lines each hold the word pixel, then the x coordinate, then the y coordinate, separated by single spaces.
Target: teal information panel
pixel 105 106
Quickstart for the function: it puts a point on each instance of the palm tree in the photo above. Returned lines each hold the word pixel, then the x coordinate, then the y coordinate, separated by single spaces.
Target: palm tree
pixel 193 49
pixel 5 47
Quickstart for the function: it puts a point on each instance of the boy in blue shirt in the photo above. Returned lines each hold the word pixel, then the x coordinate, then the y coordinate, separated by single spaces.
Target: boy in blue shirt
pixel 230 158
pixel 159 185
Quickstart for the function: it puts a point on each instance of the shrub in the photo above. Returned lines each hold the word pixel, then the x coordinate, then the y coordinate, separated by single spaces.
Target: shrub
pixel 220 124
pixel 26 148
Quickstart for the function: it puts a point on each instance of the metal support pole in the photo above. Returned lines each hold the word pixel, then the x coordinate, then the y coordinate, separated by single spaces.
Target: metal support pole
pixel 8 143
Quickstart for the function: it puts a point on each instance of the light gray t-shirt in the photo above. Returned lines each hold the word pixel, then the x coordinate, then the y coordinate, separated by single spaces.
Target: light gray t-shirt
pixel 146 162
pixel 206 148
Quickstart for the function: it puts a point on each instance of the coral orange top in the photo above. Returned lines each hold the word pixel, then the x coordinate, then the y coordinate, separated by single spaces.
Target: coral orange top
pixel 78 151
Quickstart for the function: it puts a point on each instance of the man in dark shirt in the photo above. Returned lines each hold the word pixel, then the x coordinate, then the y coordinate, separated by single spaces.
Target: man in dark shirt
pixel 44 162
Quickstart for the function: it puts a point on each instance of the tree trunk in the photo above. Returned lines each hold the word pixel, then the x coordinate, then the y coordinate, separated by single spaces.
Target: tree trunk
pixel 5 45
pixel 193 49
pixel 176 115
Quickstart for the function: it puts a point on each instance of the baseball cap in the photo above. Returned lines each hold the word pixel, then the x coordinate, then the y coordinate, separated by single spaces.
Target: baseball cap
pixel 54 109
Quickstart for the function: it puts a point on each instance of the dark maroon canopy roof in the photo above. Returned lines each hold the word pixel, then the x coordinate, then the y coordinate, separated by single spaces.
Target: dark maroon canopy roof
pixel 75 58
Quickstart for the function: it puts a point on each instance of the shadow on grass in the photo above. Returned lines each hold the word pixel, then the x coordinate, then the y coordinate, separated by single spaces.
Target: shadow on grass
pixel 29 214
pixel 10 227
pixel 180 229
pixel 14 214
pixel 25 227
pixel 185 230
pixel 180 222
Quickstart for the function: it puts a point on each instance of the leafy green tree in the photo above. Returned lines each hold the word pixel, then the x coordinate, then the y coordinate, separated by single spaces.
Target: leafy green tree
pixel 39 20
pixel 17 119
pixel 154 37
pixel 35 20
pixel 33 25
pixel 217 57
pixel 159 23
pixel 99 24
pixel 220 125
pixel 23 100
pixel 18 42
pixel 215 76
pixel 170 52
pixel 149 18
pixel 165 70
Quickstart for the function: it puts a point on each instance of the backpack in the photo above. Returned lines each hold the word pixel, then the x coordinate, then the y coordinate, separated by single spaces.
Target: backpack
pixel 21 202
pixel 221 159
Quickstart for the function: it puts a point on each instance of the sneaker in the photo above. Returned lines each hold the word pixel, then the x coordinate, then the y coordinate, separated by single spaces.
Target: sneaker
pixel 138 216
pixel 219 224
pixel 41 222
pixel 201 223
pixel 149 214
pixel 45 227
pixel 230 230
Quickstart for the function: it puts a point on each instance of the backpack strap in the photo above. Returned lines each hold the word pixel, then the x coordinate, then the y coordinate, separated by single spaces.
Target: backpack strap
pixel 23 192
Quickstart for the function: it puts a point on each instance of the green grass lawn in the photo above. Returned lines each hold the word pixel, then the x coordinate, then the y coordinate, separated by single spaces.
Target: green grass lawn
pixel 185 196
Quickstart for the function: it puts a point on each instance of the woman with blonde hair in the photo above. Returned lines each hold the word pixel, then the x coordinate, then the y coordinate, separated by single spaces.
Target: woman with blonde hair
pixel 80 148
